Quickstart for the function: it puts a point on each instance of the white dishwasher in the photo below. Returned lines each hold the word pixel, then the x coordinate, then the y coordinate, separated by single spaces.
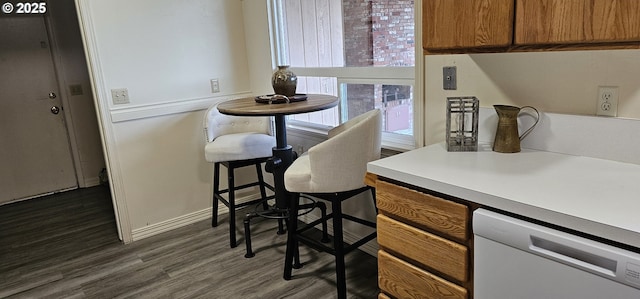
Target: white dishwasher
pixel 516 259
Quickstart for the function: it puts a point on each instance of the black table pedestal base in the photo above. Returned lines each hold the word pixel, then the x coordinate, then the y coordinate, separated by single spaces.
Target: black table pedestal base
pixel 283 156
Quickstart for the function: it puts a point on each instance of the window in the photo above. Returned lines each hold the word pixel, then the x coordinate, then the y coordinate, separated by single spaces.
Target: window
pixel 362 51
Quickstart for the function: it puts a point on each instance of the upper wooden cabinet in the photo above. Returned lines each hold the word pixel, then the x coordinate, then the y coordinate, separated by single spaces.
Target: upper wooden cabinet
pixel 576 21
pixel 466 26
pixel 457 24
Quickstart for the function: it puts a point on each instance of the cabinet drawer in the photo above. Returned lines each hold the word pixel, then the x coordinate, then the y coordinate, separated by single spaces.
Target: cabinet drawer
pixel 445 216
pixel 403 280
pixel 427 249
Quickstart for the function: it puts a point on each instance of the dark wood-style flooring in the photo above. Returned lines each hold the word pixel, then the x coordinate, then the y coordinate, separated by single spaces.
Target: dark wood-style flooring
pixel 66 246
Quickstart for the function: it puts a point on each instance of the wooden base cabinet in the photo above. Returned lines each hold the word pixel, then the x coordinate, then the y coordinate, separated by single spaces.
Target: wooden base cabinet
pixel 402 279
pixel 383 296
pixel 425 244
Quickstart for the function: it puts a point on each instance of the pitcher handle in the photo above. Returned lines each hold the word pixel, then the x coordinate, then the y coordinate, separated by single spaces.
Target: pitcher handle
pixel 534 124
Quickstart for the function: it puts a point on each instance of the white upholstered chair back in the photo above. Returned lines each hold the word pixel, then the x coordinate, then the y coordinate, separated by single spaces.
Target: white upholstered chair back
pixel 218 124
pixel 340 163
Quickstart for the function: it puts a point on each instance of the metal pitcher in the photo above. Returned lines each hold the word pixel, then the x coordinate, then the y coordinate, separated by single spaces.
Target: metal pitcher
pixel 507 139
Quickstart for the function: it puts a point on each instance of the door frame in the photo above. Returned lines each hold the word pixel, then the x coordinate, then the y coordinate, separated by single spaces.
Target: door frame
pixel 64 95
pixel 107 135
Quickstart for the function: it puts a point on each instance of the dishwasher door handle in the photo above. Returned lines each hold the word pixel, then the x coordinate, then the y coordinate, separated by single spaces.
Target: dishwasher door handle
pixel 572 256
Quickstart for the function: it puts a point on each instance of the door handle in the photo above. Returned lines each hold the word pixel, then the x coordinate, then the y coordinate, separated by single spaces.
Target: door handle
pixel 52 95
pixel 55 109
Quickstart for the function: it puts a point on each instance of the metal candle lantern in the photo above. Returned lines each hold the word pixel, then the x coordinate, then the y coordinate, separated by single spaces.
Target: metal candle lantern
pixel 462 124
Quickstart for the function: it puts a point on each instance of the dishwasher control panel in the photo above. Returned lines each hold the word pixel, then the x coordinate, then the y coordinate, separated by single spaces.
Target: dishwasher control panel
pixel 633 273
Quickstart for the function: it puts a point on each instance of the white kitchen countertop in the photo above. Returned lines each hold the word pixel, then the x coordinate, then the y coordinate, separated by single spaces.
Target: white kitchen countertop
pixel 595 196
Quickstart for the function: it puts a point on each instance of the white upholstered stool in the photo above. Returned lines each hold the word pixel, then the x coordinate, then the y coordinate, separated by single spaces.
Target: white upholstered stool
pixel 333 171
pixel 235 142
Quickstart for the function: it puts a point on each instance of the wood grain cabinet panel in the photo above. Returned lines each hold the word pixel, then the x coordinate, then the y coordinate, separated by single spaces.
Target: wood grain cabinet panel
pixel 576 21
pixel 457 24
pixel 425 244
pixel 434 213
pixel 427 249
pixel 403 280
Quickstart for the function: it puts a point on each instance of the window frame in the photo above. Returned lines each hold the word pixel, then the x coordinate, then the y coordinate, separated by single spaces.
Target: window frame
pixel 401 75
pixel 389 139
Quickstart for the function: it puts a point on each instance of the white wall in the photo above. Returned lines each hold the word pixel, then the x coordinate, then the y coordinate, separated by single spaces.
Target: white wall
pixel 169 50
pixel 164 174
pixel 164 52
pixel 559 82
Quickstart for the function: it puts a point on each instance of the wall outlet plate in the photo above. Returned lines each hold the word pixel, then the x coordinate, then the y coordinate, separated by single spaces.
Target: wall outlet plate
pixel 120 96
pixel 449 78
pixel 607 102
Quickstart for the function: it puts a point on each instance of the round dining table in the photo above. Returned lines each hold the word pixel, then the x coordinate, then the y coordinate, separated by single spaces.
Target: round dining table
pixel 283 154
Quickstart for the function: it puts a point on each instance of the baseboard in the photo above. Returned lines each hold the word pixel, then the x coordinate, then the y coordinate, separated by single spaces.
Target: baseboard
pixel 90 182
pixel 165 226
pixel 370 247
pixel 171 224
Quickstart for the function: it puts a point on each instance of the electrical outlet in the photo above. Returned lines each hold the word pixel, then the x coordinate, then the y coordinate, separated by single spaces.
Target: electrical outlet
pixel 449 81
pixel 215 86
pixel 607 101
pixel 120 96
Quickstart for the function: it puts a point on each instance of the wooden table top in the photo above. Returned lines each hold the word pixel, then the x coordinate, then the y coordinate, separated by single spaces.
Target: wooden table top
pixel 249 107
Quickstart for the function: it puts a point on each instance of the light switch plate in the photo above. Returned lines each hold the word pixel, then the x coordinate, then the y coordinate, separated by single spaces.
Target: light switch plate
pixel 215 86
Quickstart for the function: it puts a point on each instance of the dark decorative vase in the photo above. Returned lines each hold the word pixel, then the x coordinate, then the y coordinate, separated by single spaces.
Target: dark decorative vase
pixel 284 81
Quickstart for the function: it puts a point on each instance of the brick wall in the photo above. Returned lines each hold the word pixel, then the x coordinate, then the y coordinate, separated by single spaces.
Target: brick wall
pixel 393 33
pixel 378 32
pixel 358 44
